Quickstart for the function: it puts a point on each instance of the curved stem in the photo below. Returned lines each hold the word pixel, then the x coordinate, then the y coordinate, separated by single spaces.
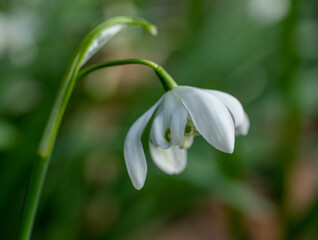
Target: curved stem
pixel 166 80
pixel 32 197
pixel 89 46
pixel 39 169
pixel 40 166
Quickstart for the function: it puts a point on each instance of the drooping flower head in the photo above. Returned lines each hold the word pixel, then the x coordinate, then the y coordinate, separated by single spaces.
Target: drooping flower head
pixel 182 113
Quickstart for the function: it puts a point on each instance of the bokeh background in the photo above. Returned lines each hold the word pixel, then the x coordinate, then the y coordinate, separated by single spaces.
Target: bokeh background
pixel 264 52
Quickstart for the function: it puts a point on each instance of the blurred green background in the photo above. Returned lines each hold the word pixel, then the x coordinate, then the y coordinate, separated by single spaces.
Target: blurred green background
pixel 264 52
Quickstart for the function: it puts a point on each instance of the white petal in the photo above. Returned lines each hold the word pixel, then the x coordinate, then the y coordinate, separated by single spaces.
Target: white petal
pixel 177 124
pixel 133 151
pixel 172 116
pixel 234 106
pixel 244 127
pixel 187 142
pixel 210 117
pixel 172 160
pixel 159 127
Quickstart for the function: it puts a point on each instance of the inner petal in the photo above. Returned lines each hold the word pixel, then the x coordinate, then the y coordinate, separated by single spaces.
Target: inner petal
pixel 172 160
pixel 169 123
pixel 178 123
pixel 159 131
pixel 187 142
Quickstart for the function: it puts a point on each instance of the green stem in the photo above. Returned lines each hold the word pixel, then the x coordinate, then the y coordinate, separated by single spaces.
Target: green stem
pixel 89 46
pixel 33 193
pixel 40 167
pixel 166 80
pixel 41 164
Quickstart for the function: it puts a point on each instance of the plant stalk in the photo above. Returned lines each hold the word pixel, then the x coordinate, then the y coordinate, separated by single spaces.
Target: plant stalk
pixel 40 165
pixel 166 80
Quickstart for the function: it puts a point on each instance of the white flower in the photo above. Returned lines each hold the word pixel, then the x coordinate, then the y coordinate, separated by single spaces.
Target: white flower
pixel 183 112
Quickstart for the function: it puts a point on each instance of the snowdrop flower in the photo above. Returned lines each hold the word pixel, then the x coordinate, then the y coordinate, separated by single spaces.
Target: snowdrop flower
pixel 182 113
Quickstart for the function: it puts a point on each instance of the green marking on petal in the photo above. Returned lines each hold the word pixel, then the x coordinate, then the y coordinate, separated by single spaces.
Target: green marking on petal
pixel 188 130
pixel 167 135
pixel 165 155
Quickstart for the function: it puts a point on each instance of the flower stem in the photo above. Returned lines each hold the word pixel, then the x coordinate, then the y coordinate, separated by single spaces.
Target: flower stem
pixel 33 193
pixel 89 46
pixel 38 172
pixel 166 80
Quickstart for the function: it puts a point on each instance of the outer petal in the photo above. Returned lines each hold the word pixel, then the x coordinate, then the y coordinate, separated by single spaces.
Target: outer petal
pixel 210 117
pixel 172 160
pixel 232 104
pixel 133 151
pixel 244 127
pixel 171 115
